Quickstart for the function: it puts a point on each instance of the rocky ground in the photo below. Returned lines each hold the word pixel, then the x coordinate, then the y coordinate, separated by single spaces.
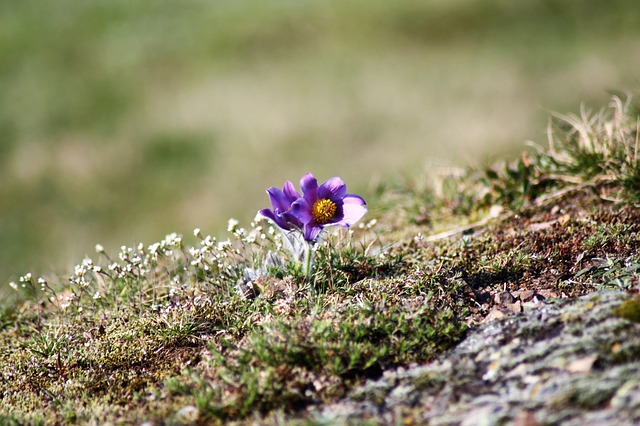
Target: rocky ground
pixel 571 362
pixel 553 340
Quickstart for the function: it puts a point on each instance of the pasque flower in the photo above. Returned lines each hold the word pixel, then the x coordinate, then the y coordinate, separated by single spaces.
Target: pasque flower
pixel 281 200
pixel 306 215
pixel 326 205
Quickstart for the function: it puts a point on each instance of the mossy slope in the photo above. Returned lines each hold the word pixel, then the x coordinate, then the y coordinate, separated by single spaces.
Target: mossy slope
pixel 231 331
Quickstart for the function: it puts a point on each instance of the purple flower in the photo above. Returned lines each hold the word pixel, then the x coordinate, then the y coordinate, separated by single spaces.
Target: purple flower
pixel 281 200
pixel 326 205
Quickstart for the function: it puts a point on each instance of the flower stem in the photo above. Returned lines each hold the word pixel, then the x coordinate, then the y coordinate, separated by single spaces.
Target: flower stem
pixel 308 261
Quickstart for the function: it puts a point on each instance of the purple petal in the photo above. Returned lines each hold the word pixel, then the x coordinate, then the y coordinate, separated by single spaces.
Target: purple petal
pixel 353 210
pixel 290 191
pixel 279 200
pixel 268 214
pixel 291 220
pixel 311 232
pixel 339 214
pixel 333 188
pixel 302 210
pixel 281 223
pixel 309 185
pixel 354 199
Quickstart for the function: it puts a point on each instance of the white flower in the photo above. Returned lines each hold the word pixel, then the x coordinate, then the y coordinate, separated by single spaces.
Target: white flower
pixel 153 248
pixel 209 242
pixel 251 237
pixel 13 285
pixel 232 225
pixel 173 239
pixel 223 244
pixel 99 248
pixel 196 233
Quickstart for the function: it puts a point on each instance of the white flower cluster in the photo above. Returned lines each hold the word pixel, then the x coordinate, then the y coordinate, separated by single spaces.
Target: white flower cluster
pixel 166 266
pixel 138 262
pixel 209 253
pixel 368 225
pixel 165 247
pixel 25 280
pixel 83 273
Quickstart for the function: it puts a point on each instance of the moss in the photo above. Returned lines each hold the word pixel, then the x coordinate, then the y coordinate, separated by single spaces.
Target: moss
pixel 629 309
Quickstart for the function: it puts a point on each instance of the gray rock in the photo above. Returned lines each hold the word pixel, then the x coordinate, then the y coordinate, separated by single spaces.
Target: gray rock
pixel 571 362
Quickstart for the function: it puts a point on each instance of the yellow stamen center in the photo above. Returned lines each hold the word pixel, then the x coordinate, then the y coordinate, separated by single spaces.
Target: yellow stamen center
pixel 323 210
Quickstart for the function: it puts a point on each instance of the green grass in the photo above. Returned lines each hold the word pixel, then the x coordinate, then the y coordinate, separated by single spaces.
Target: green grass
pixel 120 122
pixel 589 149
pixel 111 333
pixel 199 329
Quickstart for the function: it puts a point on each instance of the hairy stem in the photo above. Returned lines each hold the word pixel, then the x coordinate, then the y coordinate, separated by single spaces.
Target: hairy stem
pixel 307 266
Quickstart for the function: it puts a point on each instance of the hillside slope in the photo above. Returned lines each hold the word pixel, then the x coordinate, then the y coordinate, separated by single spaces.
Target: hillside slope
pixel 507 294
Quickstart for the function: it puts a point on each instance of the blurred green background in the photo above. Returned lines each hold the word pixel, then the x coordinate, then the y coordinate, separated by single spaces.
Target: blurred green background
pixel 122 121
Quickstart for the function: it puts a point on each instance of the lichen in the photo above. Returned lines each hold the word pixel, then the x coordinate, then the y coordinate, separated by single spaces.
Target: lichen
pixel 629 309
